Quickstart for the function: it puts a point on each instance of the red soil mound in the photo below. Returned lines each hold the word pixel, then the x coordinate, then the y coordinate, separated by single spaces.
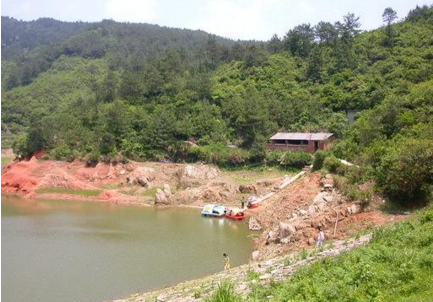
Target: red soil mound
pixel 26 177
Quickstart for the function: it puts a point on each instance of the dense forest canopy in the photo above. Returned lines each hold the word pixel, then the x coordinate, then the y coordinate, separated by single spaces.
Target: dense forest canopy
pixel 86 90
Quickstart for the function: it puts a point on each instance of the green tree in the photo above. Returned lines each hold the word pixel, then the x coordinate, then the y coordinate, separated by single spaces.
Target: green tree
pixel 389 15
pixel 299 40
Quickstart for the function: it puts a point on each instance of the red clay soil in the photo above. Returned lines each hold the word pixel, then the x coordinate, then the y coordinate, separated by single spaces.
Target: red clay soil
pixel 25 177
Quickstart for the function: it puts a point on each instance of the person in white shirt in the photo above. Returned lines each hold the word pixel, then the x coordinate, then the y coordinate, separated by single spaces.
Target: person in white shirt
pixel 320 238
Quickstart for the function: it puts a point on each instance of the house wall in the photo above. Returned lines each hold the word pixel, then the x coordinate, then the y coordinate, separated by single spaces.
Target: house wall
pixel 323 145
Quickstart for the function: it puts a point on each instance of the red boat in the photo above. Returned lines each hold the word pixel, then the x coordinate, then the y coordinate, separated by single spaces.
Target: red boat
pixel 235 214
pixel 252 205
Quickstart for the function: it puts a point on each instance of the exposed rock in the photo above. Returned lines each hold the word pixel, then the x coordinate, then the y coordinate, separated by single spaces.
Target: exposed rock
pixel 164 196
pixel 319 197
pixel 220 190
pixel 265 183
pixel 327 182
pixel 285 240
pixel 328 198
pixel 328 186
pixel 265 276
pixel 311 241
pixel 272 237
pixel 199 172
pixel 167 190
pixel 160 197
pixel 187 196
pixel 303 212
pixel 354 209
pixel 286 230
pixel 255 255
pixel 251 189
pixel 311 210
pixel 142 176
pixel 254 225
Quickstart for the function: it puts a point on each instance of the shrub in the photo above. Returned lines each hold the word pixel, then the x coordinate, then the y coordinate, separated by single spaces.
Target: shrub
pixel 296 159
pixel 405 171
pixel 319 159
pixel 274 157
pixel 62 152
pixel 21 145
pixel 333 164
pixel 218 154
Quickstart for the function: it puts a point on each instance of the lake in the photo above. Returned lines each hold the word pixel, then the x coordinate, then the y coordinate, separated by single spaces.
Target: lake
pixel 85 252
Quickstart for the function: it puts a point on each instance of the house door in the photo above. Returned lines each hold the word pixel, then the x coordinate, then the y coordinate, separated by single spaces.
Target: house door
pixel 316 146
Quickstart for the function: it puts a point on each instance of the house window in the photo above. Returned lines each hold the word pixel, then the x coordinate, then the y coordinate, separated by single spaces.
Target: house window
pixel 279 142
pixel 297 142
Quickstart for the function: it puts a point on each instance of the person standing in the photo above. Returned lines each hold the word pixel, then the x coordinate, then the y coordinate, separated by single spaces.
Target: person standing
pixel 226 262
pixel 320 238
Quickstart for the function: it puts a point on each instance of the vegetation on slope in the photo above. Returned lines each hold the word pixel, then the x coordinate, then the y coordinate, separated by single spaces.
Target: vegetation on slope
pixel 143 90
pixel 395 266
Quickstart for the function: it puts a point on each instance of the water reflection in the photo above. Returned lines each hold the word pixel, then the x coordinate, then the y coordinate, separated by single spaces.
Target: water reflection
pixel 94 251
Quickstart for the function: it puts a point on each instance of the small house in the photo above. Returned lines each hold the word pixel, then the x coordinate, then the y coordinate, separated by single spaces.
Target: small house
pixel 308 142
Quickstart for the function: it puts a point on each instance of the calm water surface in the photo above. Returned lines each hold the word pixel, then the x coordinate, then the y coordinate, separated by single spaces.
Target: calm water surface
pixel 82 251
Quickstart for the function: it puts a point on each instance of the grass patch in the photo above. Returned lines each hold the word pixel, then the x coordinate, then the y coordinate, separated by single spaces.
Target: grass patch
pixel 252 275
pixel 249 176
pixel 131 191
pixel 6 160
pixel 111 186
pixel 396 266
pixel 150 192
pixel 68 191
pixel 225 293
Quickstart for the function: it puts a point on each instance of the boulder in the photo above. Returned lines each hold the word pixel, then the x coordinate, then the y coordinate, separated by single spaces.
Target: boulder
pixel 285 240
pixel 286 230
pixel 311 241
pixel 163 196
pixel 198 172
pixel 328 198
pixel 255 255
pixel 142 176
pixel 272 237
pixel 254 225
pixel 319 197
pixel 160 197
pixel 167 190
pixel 354 209
pixel 311 210
pixel 250 189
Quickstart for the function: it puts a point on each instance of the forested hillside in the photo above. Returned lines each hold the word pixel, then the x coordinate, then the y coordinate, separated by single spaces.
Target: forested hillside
pixel 86 90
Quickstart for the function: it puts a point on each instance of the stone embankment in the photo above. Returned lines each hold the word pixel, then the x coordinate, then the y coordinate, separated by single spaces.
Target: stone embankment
pixel 247 276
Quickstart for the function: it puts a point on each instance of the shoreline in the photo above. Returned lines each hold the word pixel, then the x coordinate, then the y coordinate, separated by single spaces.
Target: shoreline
pixel 292 208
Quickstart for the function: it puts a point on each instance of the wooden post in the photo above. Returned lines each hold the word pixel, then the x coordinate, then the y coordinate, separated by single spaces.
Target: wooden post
pixel 336 223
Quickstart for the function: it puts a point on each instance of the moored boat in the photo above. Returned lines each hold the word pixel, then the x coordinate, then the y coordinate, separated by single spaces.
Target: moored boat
pixel 207 210
pixel 219 211
pixel 235 214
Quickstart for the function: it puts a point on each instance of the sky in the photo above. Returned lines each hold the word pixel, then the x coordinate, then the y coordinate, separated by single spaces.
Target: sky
pixel 235 19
